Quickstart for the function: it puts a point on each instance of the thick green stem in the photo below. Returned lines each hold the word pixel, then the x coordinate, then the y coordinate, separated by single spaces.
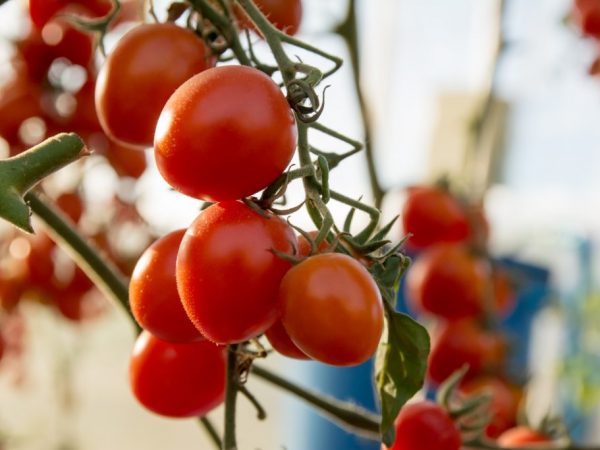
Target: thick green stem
pixel 231 391
pixel 212 432
pixel 348 31
pixel 101 271
pixel 345 414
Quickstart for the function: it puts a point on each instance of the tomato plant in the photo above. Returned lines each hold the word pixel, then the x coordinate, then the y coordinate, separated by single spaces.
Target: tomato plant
pixel 177 379
pixel 332 309
pixel 153 295
pixel 447 281
pixel 227 274
pixel 464 342
pixel 432 215
pixel 148 64
pixel 521 436
pixel 425 425
pixel 225 134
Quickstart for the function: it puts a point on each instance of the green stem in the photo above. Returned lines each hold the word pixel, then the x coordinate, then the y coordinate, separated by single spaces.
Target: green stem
pixel 348 31
pixel 231 391
pixel 101 271
pixel 225 26
pixel 345 414
pixel 212 432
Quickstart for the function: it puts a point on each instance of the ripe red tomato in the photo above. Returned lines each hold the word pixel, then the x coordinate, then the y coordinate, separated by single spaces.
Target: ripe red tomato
pixel 332 309
pixel 153 296
pixel 141 73
pixel 464 342
pixel 586 14
pixel 447 281
pixel 41 11
pixel 286 15
pixel 177 380
pixel 425 425
pixel 304 247
pixel 504 402
pixel 433 216
pixel 225 134
pixel 71 204
pixel 518 436
pixel 281 341
pixel 227 276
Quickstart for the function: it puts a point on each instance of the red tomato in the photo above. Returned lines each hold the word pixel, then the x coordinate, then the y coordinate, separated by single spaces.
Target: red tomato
pixel 281 341
pixel 520 436
pixel 227 276
pixel 504 402
pixel 464 342
pixel 332 309
pixel 177 380
pixel 586 14
pixel 78 307
pixel 71 204
pixel 126 161
pixel 284 14
pixel 433 216
pixel 447 281
pixel 141 73
pixel 425 425
pixel 304 247
pixel 153 296
pixel 225 134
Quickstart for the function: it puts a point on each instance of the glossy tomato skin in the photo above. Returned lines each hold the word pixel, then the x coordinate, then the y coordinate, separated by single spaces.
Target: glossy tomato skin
pixel 153 295
pixel 522 436
pixel 286 15
pixel 225 134
pixel 464 342
pixel 425 425
pixel 433 216
pixel 227 276
pixel 332 309
pixel 282 343
pixel 148 64
pixel 177 379
pixel 447 281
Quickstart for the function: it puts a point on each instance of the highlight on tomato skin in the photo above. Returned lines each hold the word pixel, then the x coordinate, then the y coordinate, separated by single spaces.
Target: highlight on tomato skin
pixel 425 425
pixel 332 309
pixel 227 274
pixel 153 295
pixel 147 65
pixel 177 379
pixel 225 134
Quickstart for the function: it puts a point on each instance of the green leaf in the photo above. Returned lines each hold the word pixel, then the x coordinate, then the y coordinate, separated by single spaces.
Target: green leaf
pixel 400 368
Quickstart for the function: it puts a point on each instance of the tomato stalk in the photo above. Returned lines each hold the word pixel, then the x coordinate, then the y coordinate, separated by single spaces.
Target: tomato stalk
pixel 211 431
pixel 231 391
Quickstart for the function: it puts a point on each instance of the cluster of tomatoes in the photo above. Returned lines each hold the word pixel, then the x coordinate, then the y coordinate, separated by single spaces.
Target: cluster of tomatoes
pixel 453 282
pixel 221 134
pixel 586 15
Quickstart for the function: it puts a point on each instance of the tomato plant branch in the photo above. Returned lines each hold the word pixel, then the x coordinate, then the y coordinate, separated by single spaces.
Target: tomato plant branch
pixel 225 26
pixel 101 271
pixel 347 415
pixel 21 172
pixel 348 31
pixel 211 431
pixel 231 391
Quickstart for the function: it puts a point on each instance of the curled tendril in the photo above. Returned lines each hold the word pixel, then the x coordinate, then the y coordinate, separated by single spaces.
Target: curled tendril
pixel 304 100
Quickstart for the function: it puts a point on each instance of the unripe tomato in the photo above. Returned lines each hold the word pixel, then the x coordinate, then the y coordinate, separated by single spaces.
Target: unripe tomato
pixel 464 342
pixel 153 296
pixel 225 134
pixel 148 64
pixel 177 380
pixel 227 275
pixel 281 341
pixel 332 309
pixel 447 281
pixel 433 216
pixel 286 15
pixel 522 436
pixel 425 425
